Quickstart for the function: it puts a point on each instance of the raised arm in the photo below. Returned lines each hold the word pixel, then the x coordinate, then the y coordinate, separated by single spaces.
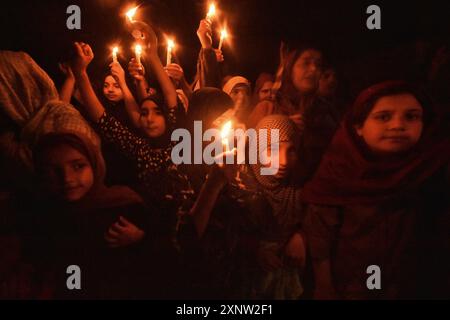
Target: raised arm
pixel 130 103
pixel 137 71
pixel 84 56
pixel 68 86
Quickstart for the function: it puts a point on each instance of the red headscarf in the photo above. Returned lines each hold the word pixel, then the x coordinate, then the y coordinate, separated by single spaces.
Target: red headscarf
pixel 349 174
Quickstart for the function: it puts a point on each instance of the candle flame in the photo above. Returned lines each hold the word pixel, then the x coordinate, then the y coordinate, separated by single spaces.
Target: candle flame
pixel 130 13
pixel 170 44
pixel 224 33
pixel 138 49
pixel 226 129
pixel 115 50
pixel 211 11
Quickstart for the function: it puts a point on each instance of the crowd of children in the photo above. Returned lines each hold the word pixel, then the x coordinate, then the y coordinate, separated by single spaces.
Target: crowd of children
pixel 87 179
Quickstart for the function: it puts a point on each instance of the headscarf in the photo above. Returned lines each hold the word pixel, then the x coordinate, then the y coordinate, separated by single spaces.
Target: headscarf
pixel 284 197
pixel 233 82
pixel 29 98
pixel 350 174
pixel 206 105
pixel 99 196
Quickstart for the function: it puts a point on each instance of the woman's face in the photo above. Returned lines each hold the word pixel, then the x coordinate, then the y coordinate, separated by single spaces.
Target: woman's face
pixel 307 71
pixel 265 93
pixel 112 90
pixel 67 173
pixel 152 120
pixel 394 124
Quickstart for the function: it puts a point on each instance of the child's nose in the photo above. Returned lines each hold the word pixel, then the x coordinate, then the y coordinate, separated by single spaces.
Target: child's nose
pixel 67 176
pixel 398 123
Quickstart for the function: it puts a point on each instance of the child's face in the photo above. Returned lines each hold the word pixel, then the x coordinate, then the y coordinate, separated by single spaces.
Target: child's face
pixel 307 71
pixel 240 96
pixel 286 159
pixel 67 173
pixel 394 124
pixel 151 120
pixel 112 90
pixel 265 93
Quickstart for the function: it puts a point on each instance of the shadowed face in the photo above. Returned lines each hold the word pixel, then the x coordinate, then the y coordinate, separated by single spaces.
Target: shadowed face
pixel 265 93
pixel 67 173
pixel 151 120
pixel 307 71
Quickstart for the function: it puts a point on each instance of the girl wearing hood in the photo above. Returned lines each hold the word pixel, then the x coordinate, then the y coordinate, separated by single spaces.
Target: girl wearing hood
pixel 379 199
pixel 263 252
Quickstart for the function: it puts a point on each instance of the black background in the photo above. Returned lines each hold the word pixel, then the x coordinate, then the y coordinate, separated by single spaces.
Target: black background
pixel 257 27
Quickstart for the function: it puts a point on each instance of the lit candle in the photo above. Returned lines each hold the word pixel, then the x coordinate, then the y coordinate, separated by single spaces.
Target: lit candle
pixel 225 133
pixel 138 53
pixel 130 13
pixel 223 36
pixel 211 12
pixel 170 47
pixel 115 50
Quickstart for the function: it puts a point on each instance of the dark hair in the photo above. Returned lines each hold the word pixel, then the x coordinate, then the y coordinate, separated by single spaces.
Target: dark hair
pixel 206 105
pixel 156 97
pixel 367 99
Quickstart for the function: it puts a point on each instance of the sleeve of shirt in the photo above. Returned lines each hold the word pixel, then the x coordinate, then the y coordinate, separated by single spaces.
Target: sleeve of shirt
pixel 132 146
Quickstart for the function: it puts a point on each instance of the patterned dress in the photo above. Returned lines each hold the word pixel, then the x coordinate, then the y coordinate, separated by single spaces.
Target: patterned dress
pixel 162 183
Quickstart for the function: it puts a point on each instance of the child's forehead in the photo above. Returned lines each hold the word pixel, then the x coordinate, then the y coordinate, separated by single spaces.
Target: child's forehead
pixel 397 102
pixel 109 79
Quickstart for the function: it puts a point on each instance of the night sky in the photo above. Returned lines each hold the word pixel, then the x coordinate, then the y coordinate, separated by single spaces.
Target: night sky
pixel 39 28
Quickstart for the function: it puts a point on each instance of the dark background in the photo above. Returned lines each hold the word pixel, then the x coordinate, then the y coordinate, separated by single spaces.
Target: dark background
pixel 257 27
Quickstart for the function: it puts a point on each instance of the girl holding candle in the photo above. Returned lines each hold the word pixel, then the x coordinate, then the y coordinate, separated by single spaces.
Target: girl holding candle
pixel 380 197
pixel 264 251
pixel 161 182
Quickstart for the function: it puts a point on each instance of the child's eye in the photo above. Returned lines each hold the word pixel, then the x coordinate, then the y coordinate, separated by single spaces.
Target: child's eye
pixel 78 166
pixel 413 117
pixel 383 117
pixel 116 86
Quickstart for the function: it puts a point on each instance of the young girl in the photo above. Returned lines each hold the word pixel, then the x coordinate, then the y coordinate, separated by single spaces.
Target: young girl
pixel 162 184
pixel 259 249
pixel 378 198
pixel 84 223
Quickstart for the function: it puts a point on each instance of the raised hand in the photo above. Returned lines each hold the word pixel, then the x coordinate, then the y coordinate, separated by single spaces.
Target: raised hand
pixel 136 70
pixel 204 33
pixel 118 73
pixel 175 72
pixel 84 56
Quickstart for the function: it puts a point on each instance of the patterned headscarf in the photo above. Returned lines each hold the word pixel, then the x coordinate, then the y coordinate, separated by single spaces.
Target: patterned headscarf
pixel 284 197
